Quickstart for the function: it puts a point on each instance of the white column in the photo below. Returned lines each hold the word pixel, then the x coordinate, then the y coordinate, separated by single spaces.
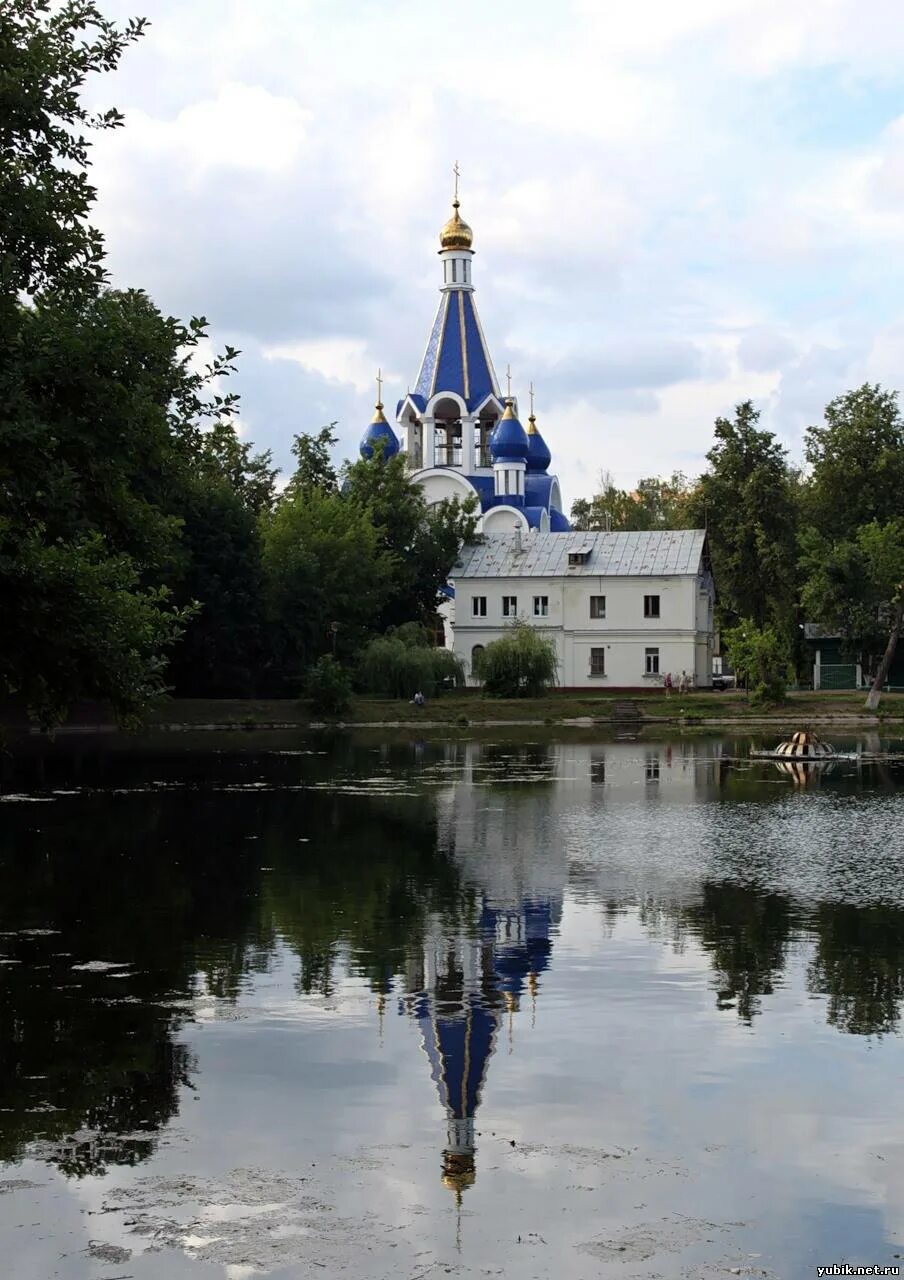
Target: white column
pixel 468 425
pixel 428 426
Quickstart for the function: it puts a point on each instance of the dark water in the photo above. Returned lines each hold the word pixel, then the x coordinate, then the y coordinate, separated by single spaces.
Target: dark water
pixel 285 1007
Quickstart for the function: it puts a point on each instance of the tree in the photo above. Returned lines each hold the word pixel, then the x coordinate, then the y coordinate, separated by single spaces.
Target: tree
pixel 323 564
pixel 328 686
pixel 853 545
pixel 423 541
pixel 760 658
pixel 125 493
pixel 856 586
pixel 519 665
pixel 403 662
pixel 655 504
pixel 857 462
pixel 47 53
pixel 747 501
pixel 313 462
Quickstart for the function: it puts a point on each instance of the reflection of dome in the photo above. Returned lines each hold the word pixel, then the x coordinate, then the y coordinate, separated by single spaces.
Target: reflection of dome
pixel 508 443
pixel 459 1170
pixel 456 234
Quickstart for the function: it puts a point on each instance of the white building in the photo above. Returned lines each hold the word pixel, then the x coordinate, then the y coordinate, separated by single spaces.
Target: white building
pixel 622 608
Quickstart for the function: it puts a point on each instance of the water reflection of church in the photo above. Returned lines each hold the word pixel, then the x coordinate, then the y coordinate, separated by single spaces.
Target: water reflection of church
pixel 477 968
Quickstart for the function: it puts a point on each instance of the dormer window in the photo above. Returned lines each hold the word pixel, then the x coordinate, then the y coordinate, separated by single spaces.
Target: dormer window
pixel 579 557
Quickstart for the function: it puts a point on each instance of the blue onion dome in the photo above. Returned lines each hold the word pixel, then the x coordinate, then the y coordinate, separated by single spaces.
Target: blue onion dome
pixel 508 443
pixel 538 455
pixel 558 521
pixel 379 432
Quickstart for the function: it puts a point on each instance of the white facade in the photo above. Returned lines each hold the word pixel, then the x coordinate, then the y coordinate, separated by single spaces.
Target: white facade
pixel 618 630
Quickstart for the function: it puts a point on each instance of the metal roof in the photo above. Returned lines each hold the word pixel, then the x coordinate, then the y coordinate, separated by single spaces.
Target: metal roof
pixel 661 553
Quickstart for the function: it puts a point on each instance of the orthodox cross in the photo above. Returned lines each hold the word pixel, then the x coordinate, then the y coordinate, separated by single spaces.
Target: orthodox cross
pixel 379 386
pixel 457 172
pixel 531 399
pixel 508 380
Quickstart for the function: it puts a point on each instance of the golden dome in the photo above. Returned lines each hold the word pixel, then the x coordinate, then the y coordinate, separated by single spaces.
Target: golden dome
pixel 456 234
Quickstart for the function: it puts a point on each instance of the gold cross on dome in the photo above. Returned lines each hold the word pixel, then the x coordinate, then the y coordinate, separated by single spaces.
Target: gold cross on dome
pixel 531 399
pixel 457 172
pixel 379 386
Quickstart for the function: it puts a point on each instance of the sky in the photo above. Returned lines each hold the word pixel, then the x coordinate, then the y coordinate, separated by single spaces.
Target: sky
pixel 676 207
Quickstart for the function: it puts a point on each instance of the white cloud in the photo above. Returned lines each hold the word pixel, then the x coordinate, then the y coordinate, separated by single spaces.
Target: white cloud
pixel 684 206
pixel 337 359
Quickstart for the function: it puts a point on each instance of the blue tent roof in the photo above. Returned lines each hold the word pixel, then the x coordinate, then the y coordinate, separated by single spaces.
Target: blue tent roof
pixel 456 358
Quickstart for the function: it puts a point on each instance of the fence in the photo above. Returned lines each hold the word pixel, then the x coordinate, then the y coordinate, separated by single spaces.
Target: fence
pixel 837 675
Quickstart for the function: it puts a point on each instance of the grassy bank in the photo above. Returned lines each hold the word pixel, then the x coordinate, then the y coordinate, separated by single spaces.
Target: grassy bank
pixel 554 708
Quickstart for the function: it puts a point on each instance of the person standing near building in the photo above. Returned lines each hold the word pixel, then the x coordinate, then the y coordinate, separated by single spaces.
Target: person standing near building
pixel 667 682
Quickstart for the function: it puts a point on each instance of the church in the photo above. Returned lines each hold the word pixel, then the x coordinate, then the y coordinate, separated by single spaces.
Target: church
pixel 463 439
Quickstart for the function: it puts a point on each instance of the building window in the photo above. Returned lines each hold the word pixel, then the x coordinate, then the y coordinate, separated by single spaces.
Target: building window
pixel 509 606
pixel 597 662
pixel 454 273
pixel 478 606
pixel 541 606
pixel 475 659
pixel 651 606
pixel 652 768
pixel 597 606
pixel 652 662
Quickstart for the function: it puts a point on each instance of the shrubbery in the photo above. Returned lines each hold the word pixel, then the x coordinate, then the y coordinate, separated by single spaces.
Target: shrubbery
pixel 520 665
pixel 760 659
pixel 403 663
pixel 328 687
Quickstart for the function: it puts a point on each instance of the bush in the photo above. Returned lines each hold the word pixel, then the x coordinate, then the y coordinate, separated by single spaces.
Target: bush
pixel 760 658
pixel 520 665
pixel 329 687
pixel 402 663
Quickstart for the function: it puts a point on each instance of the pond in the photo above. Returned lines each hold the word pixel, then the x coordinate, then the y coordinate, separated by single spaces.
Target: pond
pixel 290 1006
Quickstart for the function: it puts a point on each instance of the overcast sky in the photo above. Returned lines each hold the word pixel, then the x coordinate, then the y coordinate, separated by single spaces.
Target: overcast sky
pixel 676 206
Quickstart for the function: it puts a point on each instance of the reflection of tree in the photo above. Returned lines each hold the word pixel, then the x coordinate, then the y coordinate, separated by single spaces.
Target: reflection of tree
pixel 164 886
pixel 365 883
pixel 859 964
pixel 746 933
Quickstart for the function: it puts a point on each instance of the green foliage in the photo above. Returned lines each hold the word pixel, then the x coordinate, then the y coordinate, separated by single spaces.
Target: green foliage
pixel 852 550
pixel 323 565
pixel 423 541
pixel 81 627
pixel 761 660
pixel 313 463
pixel 47 53
pixel 747 499
pixel 655 504
pixel 857 462
pixel 328 686
pixel 855 585
pixel 522 664
pixel 402 663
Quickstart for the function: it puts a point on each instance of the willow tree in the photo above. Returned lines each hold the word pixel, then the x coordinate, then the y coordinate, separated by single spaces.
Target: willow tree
pixel 521 664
